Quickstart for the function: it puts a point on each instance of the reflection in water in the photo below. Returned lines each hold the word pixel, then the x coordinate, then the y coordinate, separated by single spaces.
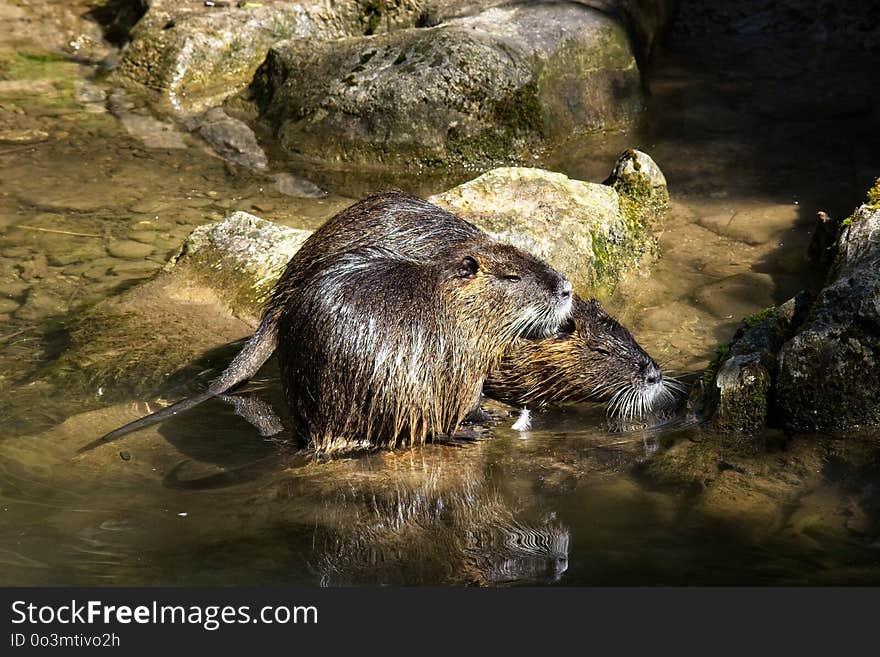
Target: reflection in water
pixel 460 538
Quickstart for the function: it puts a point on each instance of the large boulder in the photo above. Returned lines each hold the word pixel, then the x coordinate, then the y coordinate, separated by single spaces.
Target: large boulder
pixel 192 55
pixel 589 231
pixel 830 371
pixel 478 90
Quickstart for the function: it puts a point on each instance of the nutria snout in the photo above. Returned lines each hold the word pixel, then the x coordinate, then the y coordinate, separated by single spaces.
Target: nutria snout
pixel 591 357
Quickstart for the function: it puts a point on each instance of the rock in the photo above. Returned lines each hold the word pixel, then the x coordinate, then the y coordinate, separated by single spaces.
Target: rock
pixel 22 136
pixel 291 185
pixel 191 56
pixel 583 229
pixel 36 267
pixel 196 55
pixel 738 389
pixel 87 250
pixel 830 371
pixel 135 269
pixel 143 236
pixel 484 89
pixel 129 249
pixel 232 139
pixel 635 169
pixel 151 131
pixel 241 257
pixel 743 384
pixel 91 96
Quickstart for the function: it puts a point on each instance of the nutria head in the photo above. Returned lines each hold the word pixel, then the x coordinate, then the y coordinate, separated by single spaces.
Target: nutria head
pixel 591 357
pixel 497 285
pixel 378 349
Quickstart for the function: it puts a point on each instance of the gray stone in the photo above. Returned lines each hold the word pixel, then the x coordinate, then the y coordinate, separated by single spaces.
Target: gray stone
pixel 482 89
pixel 151 131
pixel 195 56
pixel 241 257
pixel 232 139
pixel 291 185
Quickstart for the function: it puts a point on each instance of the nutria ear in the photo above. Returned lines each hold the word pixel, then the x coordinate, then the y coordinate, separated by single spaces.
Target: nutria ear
pixel 468 267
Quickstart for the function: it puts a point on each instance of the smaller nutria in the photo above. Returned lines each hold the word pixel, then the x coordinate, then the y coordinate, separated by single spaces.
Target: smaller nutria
pixel 591 358
pixel 387 321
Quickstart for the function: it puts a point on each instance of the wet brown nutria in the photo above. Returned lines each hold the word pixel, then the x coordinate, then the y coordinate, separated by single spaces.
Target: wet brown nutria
pixel 387 321
pixel 591 358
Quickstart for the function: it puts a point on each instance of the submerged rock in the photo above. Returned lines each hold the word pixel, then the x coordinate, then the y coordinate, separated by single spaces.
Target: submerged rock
pixel 291 185
pixel 482 89
pixel 231 138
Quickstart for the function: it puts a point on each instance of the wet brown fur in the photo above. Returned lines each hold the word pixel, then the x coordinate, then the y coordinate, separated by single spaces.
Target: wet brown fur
pixel 392 314
pixel 591 359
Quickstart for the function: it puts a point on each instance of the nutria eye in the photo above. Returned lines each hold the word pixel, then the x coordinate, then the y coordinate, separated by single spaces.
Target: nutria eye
pixel 513 278
pixel 468 267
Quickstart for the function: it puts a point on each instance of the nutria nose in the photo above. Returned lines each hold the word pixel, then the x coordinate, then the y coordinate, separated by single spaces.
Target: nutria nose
pixel 653 375
pixel 565 289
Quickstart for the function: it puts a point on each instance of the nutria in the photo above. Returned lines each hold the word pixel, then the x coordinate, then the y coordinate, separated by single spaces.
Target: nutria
pixel 592 357
pixel 387 321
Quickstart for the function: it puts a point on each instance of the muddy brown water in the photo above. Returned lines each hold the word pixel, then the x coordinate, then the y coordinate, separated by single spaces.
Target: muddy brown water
pixel 754 134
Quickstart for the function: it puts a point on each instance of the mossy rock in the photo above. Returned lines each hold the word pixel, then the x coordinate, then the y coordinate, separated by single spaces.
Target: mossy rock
pixel 830 371
pixel 482 90
pixel 588 231
pixel 189 56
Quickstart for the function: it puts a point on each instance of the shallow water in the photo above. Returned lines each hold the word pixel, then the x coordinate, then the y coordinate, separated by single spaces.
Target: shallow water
pixel 751 147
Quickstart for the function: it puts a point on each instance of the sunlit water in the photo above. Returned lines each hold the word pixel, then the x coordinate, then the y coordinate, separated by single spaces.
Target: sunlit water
pixel 88 209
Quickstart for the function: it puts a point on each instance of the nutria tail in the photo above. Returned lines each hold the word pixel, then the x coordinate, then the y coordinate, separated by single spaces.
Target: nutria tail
pixel 249 360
